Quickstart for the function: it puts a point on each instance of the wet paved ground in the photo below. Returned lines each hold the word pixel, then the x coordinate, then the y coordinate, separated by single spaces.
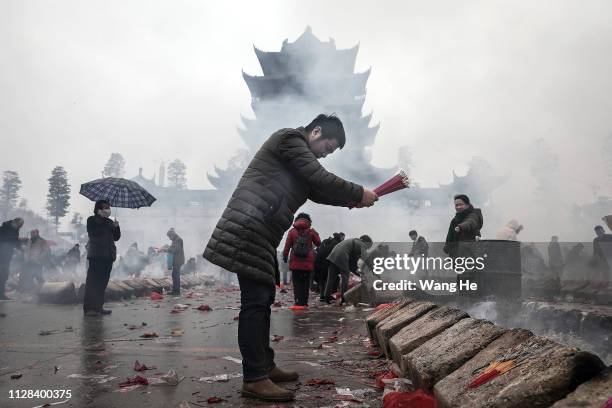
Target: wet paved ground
pixel 56 348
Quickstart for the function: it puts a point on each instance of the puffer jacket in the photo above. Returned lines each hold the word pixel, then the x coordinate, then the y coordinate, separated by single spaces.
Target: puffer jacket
pixel 283 174
pixel 296 263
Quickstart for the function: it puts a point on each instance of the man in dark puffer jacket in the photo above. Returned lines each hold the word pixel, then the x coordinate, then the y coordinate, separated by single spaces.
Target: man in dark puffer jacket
pixel 284 173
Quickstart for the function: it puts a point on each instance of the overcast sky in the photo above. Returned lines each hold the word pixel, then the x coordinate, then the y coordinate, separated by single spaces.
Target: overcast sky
pixel 160 80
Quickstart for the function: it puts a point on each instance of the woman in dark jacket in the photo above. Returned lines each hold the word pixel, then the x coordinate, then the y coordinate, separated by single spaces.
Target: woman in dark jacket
pixel 300 241
pixel 465 225
pixel 101 253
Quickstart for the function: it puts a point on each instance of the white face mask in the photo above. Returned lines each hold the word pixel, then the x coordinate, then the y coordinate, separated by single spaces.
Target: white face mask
pixel 104 213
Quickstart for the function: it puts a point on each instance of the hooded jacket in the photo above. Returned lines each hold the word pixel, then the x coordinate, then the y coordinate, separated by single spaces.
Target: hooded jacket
pixel 301 227
pixel 509 232
pixel 283 174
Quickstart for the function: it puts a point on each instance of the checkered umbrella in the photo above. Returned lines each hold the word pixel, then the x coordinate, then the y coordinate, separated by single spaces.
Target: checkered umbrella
pixel 118 191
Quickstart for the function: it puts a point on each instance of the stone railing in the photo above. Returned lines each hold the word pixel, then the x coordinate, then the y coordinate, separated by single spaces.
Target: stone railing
pixel 442 349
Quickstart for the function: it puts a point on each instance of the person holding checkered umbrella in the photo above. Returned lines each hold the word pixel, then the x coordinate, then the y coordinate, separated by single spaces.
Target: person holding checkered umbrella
pixel 104 232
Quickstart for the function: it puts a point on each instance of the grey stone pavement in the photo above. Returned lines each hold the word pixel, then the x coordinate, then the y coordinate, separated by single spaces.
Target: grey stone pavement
pixel 56 348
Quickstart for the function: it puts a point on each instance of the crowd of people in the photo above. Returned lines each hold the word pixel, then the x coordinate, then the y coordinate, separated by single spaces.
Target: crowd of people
pixel 325 266
pixel 33 260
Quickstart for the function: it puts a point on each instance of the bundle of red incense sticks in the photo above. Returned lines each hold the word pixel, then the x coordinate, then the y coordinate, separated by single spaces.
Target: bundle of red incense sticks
pixel 398 182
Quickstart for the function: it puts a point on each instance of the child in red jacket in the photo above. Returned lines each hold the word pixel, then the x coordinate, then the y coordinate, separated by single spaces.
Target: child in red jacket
pixel 301 241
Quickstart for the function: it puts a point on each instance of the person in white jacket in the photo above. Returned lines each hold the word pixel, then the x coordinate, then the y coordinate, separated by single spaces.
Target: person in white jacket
pixel 510 231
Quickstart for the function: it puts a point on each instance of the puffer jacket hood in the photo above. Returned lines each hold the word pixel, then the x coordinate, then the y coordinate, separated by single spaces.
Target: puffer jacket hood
pixel 301 224
pixel 513 225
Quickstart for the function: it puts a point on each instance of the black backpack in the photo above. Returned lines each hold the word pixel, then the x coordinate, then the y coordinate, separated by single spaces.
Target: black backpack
pixel 301 246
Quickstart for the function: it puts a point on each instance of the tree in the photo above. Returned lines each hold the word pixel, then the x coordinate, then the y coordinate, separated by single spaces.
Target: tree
pixel 115 166
pixel 11 184
pixel 177 175
pixel 58 198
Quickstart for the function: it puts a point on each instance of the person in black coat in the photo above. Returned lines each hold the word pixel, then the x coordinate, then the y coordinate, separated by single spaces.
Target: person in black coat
pixel 282 176
pixel 602 250
pixel 420 247
pixel 321 263
pixel 101 253
pixel 465 225
pixel 9 240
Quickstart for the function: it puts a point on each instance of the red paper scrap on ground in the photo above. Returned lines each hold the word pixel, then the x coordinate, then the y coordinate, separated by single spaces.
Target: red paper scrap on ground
pixel 136 380
pixel 236 317
pixel 156 296
pixel 278 304
pixel 415 399
pixel 375 353
pixel 386 375
pixel 296 307
pixel 320 381
pixel 214 400
pixel 277 338
pixel 331 339
pixel 204 308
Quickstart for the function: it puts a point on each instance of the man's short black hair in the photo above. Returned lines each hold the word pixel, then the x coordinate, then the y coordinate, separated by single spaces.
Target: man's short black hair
pixel 412 232
pixel 366 238
pixel 331 128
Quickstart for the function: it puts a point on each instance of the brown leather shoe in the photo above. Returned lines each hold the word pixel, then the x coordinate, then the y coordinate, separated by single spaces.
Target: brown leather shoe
pixel 266 390
pixel 278 375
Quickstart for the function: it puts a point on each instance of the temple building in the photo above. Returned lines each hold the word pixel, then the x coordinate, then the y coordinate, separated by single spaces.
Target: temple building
pixel 309 76
pixel 305 78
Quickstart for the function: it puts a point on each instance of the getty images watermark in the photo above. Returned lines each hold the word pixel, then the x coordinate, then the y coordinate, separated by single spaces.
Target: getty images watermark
pixel 412 264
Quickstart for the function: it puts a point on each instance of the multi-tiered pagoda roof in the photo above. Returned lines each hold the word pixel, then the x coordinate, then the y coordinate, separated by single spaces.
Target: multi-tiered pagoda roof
pixel 303 79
